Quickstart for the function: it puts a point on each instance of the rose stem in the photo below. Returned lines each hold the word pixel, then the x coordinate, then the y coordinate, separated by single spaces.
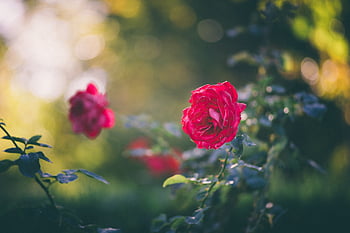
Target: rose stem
pixel 219 176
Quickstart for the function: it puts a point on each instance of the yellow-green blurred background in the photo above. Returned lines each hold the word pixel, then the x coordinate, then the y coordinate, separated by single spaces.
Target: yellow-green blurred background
pixel 147 56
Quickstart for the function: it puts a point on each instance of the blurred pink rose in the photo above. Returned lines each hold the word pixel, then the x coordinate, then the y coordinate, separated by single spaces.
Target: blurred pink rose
pixel 214 115
pixel 160 165
pixel 157 164
pixel 88 112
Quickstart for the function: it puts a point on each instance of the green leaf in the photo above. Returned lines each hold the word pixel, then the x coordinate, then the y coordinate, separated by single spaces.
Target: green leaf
pixel 66 178
pixel 29 147
pixel 46 175
pixel 159 223
pixel 87 173
pixel 34 139
pixel 176 222
pixel 175 179
pixel 17 139
pixel 196 218
pixel 40 144
pixel 5 165
pixel 237 144
pixel 93 175
pixel 70 171
pixel 42 156
pixel 14 150
pixel 247 141
pixel 28 164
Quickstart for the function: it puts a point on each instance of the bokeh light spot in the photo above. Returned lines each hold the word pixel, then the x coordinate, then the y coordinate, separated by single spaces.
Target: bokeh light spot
pixel 88 47
pixel 182 16
pixel 125 8
pixel 47 84
pixel 210 30
pixel 11 17
pixel 309 70
pixel 301 27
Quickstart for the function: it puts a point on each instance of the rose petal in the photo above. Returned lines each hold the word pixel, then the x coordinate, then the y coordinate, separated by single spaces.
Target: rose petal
pixel 109 118
pixel 241 107
pixel 93 134
pixel 216 116
pixel 91 89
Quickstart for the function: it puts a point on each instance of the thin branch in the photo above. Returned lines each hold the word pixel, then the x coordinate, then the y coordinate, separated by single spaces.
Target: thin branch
pixel 8 134
pixel 219 176
pixel 46 190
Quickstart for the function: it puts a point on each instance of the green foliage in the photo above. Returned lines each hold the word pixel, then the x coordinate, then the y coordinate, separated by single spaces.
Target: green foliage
pixel 69 175
pixel 248 162
pixel 16 139
pixel 14 150
pixel 29 166
pixel 175 179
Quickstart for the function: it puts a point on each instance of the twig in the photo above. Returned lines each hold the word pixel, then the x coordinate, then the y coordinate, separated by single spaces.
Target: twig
pixel 8 134
pixel 46 190
pixel 219 176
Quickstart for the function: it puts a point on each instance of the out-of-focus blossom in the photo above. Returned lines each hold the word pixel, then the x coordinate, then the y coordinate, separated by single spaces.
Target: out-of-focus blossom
pixel 88 112
pixel 157 164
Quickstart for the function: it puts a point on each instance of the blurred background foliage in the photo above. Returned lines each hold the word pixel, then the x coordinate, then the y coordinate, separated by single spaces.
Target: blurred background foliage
pixel 147 56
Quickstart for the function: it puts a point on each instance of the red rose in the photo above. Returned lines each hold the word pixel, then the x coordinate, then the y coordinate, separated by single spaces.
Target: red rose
pixel 88 112
pixel 157 164
pixel 214 115
pixel 160 165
